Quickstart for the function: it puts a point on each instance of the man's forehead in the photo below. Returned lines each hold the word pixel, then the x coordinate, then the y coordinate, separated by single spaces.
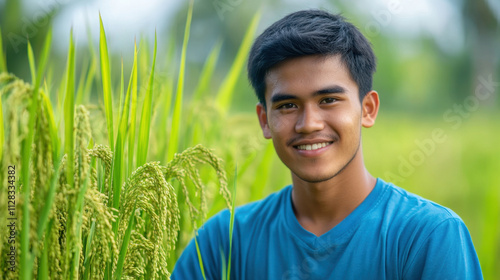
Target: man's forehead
pixel 314 73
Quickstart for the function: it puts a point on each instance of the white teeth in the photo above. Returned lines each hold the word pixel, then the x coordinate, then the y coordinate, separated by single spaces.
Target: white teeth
pixel 313 146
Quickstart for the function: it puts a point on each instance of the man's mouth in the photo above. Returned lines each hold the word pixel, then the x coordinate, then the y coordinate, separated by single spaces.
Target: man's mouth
pixel 311 147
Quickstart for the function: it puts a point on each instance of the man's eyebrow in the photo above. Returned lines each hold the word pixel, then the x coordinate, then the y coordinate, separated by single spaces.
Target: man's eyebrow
pixel 333 89
pixel 278 97
pixel 282 96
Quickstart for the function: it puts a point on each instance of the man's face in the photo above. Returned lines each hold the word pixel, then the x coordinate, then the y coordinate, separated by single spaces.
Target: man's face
pixel 314 116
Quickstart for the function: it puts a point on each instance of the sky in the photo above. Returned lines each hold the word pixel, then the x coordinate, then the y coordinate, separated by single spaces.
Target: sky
pixel 124 20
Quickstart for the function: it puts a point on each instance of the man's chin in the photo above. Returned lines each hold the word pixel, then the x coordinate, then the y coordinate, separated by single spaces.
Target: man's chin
pixel 315 178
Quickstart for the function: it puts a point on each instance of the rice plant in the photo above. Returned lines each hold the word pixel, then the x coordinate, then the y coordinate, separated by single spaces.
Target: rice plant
pixel 88 210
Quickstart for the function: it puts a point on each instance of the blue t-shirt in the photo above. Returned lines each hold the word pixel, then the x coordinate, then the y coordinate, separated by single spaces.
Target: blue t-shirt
pixel 392 234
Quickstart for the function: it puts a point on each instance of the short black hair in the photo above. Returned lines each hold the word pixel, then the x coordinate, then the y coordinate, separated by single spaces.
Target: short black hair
pixel 311 32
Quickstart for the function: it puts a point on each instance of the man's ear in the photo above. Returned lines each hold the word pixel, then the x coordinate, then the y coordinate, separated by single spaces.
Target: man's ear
pixel 262 115
pixel 370 105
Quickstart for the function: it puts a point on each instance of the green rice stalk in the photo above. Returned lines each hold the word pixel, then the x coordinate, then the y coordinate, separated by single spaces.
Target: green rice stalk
pixel 26 259
pixel 60 94
pixel 17 103
pixel 118 162
pixel 183 167
pixel 2 132
pixel 231 223
pixel 142 148
pixel 207 71
pixel 105 154
pixel 194 117
pixel 106 82
pixel 31 60
pixel 43 273
pixel 52 124
pixel 133 109
pixel 124 247
pixel 49 200
pixel 87 256
pixel 69 110
pixel 225 93
pixel 121 92
pixel 148 190
pixel 200 259
pixel 167 91
pixel 3 64
pixel 176 117
pixel 82 175
pixel 90 234
pixel 75 264
pixel 81 83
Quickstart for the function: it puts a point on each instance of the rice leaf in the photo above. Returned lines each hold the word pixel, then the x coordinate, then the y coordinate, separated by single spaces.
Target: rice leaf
pixel 224 265
pixel 2 132
pixel 49 200
pixel 69 118
pixel 87 255
pixel 133 109
pixel 43 271
pixel 226 90
pixel 118 162
pixel 3 65
pixel 52 124
pixel 69 111
pixel 106 83
pixel 200 259
pixel 31 60
pixel 75 265
pixel 81 82
pixel 44 56
pixel 167 91
pixel 176 117
pixel 231 223
pixel 143 145
pixel 121 91
pixel 125 242
pixel 26 258
pixel 207 71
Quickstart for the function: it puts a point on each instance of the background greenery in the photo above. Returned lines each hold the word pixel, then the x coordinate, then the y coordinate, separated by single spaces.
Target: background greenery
pixel 424 78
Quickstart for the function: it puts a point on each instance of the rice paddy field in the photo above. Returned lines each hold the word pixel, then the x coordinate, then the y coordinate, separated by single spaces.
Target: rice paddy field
pixel 108 178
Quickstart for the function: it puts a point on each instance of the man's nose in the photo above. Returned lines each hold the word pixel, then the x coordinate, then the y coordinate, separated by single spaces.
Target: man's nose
pixel 310 120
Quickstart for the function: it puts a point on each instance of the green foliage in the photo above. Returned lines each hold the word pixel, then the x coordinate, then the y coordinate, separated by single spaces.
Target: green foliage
pixel 173 142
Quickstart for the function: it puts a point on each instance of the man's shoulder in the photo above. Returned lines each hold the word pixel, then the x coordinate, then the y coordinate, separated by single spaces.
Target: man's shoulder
pixel 411 204
pixel 409 212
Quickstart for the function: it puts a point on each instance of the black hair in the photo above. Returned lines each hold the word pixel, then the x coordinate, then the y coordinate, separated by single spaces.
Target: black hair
pixel 311 32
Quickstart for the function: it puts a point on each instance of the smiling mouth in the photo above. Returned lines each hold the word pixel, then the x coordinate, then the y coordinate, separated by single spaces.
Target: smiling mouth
pixel 312 147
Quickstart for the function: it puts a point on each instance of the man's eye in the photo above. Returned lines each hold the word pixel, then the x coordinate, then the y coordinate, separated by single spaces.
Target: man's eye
pixel 328 100
pixel 287 106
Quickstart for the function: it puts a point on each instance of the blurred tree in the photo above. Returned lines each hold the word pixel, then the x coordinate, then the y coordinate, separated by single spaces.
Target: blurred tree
pixel 18 28
pixel 484 35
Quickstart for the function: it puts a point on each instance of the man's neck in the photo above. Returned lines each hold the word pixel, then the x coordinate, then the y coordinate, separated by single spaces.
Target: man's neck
pixel 321 206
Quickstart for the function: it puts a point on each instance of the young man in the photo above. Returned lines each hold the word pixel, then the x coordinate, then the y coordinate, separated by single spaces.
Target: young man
pixel 312 72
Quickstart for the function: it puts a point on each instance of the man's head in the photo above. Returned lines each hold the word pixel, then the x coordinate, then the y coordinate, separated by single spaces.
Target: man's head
pixel 312 72
pixel 311 32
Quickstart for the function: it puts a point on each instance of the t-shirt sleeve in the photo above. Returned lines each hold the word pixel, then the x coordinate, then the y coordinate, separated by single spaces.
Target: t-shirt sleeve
pixel 446 253
pixel 211 238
